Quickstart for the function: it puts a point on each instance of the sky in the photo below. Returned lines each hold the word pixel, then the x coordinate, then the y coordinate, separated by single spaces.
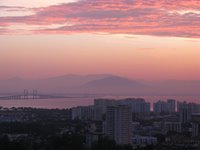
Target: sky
pixel 138 39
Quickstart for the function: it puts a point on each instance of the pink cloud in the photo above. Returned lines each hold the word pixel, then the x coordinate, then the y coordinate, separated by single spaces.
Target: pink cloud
pixel 153 17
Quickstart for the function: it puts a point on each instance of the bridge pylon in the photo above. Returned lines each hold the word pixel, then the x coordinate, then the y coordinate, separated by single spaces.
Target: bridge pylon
pixel 35 94
pixel 25 94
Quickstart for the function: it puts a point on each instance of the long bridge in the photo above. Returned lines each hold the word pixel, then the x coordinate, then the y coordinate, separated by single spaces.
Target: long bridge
pixel 34 95
pixel 22 97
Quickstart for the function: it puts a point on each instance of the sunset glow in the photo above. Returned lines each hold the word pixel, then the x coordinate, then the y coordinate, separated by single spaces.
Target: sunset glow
pixel 138 39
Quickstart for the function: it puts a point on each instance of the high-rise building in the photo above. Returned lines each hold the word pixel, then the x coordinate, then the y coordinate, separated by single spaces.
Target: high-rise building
pixel 195 129
pixel 83 113
pixel 100 106
pixel 171 104
pixel 109 128
pixel 165 107
pixel 195 108
pixel 160 107
pixel 118 124
pixel 184 111
pixel 138 105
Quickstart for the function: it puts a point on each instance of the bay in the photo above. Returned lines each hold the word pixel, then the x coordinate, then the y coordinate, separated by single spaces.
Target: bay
pixel 73 102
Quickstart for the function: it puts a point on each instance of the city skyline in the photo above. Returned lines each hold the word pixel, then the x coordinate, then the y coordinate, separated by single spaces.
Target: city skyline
pixel 150 40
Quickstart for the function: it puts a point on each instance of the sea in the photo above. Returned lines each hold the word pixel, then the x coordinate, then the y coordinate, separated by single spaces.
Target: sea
pixel 63 103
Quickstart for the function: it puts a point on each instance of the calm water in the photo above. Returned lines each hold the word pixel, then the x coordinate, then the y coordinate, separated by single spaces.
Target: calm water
pixel 72 102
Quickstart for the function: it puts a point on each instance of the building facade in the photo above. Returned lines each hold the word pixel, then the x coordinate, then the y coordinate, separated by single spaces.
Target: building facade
pixel 118 124
pixel 185 112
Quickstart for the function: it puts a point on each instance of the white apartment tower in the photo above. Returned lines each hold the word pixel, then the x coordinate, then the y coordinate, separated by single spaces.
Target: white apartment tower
pixel 118 124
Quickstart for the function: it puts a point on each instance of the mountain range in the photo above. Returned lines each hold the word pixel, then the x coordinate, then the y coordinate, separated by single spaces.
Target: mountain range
pixel 101 84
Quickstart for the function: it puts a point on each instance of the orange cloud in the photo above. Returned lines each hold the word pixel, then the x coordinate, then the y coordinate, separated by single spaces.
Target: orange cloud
pixel 159 18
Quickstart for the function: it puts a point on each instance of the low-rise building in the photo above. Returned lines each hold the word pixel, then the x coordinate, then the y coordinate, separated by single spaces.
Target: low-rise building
pixel 144 140
pixel 83 113
pixel 173 126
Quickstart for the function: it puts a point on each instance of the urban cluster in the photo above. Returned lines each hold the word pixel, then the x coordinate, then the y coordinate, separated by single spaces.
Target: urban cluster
pixel 108 124
pixel 133 121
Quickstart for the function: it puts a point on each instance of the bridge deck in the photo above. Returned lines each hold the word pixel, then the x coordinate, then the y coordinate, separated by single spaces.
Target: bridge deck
pixel 23 97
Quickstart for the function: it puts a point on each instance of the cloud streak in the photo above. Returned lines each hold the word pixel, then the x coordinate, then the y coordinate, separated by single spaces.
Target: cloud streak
pixel 177 18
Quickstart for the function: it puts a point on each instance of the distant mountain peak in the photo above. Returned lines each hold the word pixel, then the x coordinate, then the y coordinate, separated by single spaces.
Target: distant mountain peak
pixel 112 81
pixel 101 83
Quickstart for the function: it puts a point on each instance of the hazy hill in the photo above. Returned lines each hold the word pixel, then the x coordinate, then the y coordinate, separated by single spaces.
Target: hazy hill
pixel 101 84
pixel 112 84
pixel 59 84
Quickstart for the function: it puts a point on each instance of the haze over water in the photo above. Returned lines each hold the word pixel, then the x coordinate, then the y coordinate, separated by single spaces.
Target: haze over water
pixel 73 102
